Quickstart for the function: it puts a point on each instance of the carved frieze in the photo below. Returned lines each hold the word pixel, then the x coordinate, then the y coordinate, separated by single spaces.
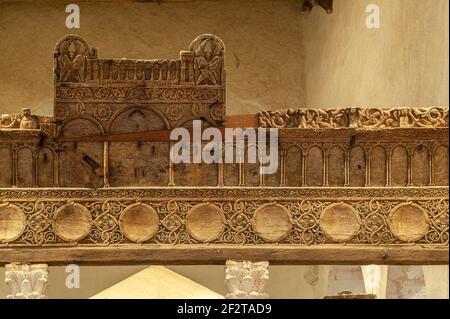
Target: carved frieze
pixel 197 77
pixel 355 118
pixel 301 216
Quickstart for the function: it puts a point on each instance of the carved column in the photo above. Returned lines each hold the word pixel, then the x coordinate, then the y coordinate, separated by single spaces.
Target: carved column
pixel 26 281
pixel 246 279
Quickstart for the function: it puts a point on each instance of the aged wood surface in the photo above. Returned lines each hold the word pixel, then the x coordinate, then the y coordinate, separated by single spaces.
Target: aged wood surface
pixel 214 254
pixel 95 183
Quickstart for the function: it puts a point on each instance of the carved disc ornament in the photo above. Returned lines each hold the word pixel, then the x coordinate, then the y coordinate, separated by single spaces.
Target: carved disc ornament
pixel 102 112
pixel 72 222
pixel 12 222
pixel 272 222
pixel 205 222
pixel 139 222
pixel 340 222
pixel 408 222
pixel 174 112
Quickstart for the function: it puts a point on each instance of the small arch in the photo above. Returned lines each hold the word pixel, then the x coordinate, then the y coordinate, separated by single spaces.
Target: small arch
pixel 399 166
pixel 149 108
pixel 25 171
pixel 45 167
pixel 82 130
pixel 293 169
pixel 420 165
pixel 251 170
pixel 6 167
pixel 336 166
pixel 314 166
pixel 378 162
pixel 440 165
pixel 357 167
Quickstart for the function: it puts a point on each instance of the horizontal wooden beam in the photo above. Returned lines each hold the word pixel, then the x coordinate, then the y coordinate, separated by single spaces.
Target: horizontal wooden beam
pixel 285 135
pixel 218 254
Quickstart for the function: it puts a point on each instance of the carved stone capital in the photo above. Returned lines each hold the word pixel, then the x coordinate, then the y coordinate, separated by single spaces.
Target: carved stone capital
pixel 26 281
pixel 246 279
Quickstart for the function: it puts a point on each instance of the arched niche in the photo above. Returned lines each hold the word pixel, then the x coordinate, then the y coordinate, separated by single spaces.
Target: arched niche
pixel 336 166
pixel 45 167
pixel 140 163
pixel 314 167
pixel 293 168
pixel 25 172
pixel 251 170
pixel 378 166
pixel 357 167
pixel 6 167
pixel 420 166
pixel 273 180
pixel 440 166
pixel 231 170
pixel 399 166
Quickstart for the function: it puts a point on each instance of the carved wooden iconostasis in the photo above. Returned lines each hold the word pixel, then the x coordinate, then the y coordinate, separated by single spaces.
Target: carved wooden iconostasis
pixel 95 184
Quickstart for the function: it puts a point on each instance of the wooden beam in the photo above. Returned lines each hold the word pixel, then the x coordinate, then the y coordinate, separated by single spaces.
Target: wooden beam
pixel 218 254
pixel 285 134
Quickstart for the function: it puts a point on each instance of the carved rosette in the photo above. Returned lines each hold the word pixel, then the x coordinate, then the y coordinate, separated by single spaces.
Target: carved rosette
pixel 174 112
pixel 102 112
pixel 246 279
pixel 26 281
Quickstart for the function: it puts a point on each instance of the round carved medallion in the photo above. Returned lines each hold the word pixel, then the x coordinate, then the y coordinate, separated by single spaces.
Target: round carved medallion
pixel 174 112
pixel 102 112
pixel 408 222
pixel 216 112
pixel 72 222
pixel 12 222
pixel 340 222
pixel 272 222
pixel 205 222
pixel 139 222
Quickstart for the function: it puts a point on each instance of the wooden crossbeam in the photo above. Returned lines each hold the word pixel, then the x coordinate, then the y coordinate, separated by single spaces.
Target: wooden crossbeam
pixel 218 254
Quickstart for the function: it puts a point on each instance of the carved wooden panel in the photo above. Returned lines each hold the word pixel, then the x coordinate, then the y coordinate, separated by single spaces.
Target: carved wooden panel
pixel 88 185
pixel 378 166
pixel 6 170
pixel 314 166
pixel 399 166
pixel 440 165
pixel 25 169
pixel 336 166
pixel 45 167
pixel 246 216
